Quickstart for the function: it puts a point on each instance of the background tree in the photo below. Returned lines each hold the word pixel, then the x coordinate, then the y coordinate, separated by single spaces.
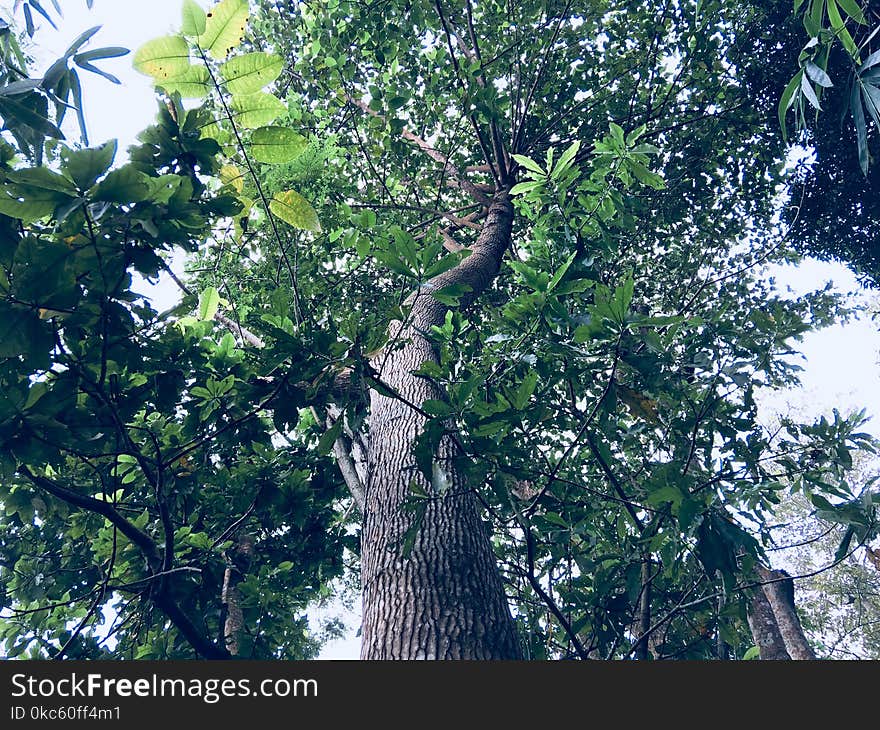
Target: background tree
pixel 522 313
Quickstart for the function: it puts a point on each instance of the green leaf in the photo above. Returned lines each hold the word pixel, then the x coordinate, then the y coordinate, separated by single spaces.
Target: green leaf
pixel 529 164
pixel 450 261
pixel 294 209
pixel 622 298
pixel 645 176
pixel 786 100
pixel 193 83
pixel 809 92
pixel 29 204
pixel 565 159
pixel 41 177
pixel 753 652
pixel 12 109
pixel 855 105
pixel 125 185
pixel 436 407
pixel 818 75
pixel 225 24
pixel 525 390
pixel 275 145
pixel 84 167
pixel 870 61
pixel 839 28
pixel 871 96
pixel 193 19
pixel 852 9
pixel 21 332
pixel 524 187
pixel 843 548
pixel 209 301
pixel 163 58
pixel 450 295
pixel 617 134
pixel 328 438
pixel 251 72
pixel 254 110
pixel 560 272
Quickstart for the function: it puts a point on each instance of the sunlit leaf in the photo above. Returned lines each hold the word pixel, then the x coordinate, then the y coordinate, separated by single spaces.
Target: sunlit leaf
pixel 224 28
pixel 193 83
pixel 163 58
pixel 276 144
pixel 209 301
pixel 293 208
pixel 255 110
pixel 251 72
pixel 193 19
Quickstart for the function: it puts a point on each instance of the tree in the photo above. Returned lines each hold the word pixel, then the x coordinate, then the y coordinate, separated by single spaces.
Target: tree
pixel 490 275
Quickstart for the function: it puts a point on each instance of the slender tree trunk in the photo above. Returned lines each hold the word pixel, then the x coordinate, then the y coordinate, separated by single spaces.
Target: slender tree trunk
pixel 642 649
pixel 236 570
pixel 443 599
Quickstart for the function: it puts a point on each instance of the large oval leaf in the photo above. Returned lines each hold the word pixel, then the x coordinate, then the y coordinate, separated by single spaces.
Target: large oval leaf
pixel 255 110
pixel 163 58
pixel 293 208
pixel 275 145
pixel 194 83
pixel 224 27
pixel 29 204
pixel 251 72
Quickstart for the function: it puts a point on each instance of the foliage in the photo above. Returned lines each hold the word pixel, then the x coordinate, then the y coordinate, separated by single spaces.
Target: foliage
pixel 24 101
pixel 602 391
pixel 135 444
pixel 836 212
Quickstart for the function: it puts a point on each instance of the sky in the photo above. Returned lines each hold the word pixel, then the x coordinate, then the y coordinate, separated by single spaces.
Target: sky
pixel 841 364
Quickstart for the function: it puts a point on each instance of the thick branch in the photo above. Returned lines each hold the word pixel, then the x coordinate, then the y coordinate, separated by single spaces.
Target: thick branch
pixel 140 538
pixel 237 329
pixel 148 547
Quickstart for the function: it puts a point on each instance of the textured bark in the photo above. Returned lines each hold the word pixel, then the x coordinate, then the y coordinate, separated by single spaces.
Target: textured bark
pixel 444 598
pixel 233 625
pixel 765 632
pixel 779 589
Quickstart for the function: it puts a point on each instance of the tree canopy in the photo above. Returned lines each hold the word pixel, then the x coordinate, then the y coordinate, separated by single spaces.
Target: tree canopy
pixel 474 288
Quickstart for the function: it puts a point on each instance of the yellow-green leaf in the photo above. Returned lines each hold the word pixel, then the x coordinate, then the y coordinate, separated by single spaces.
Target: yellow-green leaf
pixel 193 18
pixel 209 301
pixel 275 145
pixel 193 83
pixel 231 175
pixel 163 58
pixel 224 28
pixel 255 110
pixel 251 72
pixel 293 208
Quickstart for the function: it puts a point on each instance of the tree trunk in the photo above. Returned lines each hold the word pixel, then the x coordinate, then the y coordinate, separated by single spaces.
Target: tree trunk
pixel 779 589
pixel 236 571
pixel 644 624
pixel 765 632
pixel 443 598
